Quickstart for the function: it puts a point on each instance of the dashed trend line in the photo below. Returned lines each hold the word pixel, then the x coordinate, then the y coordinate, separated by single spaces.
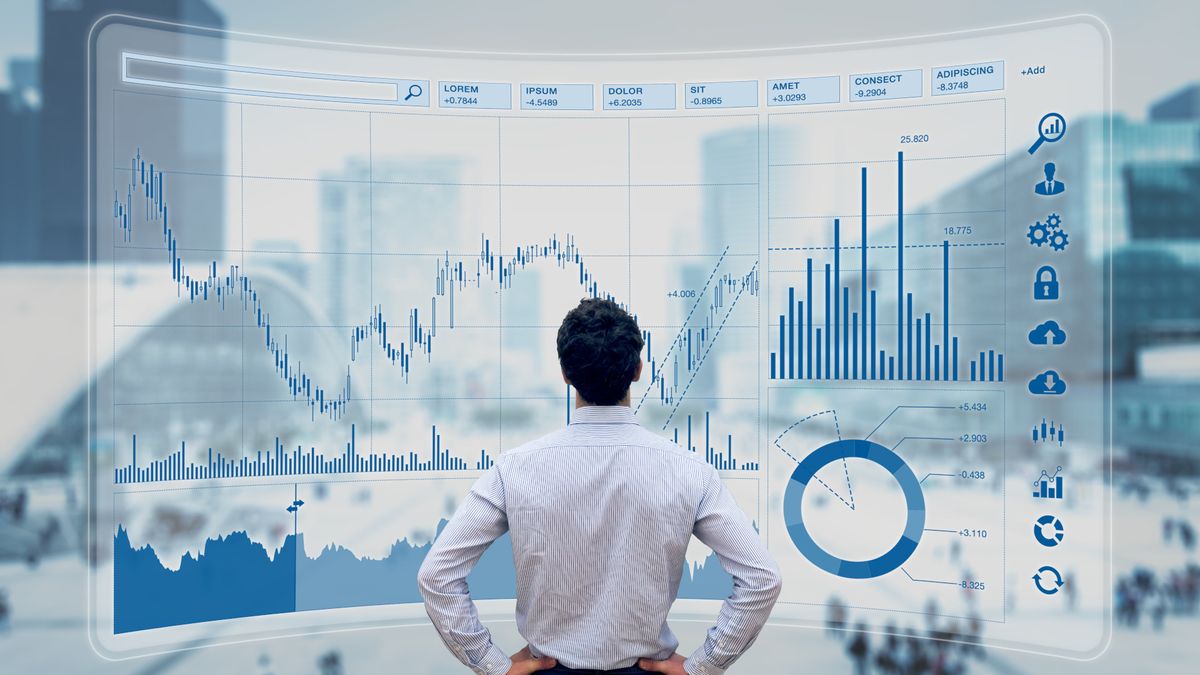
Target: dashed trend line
pixel 845 466
pixel 964 244
pixel 708 351
pixel 683 327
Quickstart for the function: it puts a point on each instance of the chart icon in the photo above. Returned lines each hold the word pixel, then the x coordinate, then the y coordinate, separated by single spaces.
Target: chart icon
pixel 1048 530
pixel 1049 487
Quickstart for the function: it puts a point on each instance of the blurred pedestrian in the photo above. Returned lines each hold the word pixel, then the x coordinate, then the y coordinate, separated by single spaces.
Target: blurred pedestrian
pixel 859 649
pixel 1187 535
pixel 5 611
pixel 887 658
pixel 1070 591
pixel 330 663
pixel 835 620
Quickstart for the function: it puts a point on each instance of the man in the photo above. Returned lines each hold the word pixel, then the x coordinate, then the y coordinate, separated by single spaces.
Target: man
pixel 600 515
pixel 1049 186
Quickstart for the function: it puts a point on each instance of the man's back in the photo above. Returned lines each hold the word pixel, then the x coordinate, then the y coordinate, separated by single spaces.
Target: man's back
pixel 600 516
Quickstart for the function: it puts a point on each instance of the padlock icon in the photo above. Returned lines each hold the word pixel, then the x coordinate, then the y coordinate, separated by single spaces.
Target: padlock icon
pixel 1045 283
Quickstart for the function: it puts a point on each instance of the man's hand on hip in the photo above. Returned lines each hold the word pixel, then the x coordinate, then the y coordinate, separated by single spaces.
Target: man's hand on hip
pixel 523 663
pixel 672 666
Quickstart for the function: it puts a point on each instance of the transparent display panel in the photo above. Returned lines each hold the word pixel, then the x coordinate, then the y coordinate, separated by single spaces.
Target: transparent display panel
pixel 326 283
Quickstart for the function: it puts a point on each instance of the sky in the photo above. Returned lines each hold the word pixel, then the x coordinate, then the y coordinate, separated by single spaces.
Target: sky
pixel 1154 47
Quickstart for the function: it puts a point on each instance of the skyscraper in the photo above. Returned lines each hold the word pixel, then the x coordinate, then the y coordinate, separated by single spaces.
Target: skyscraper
pixel 19 112
pixel 62 130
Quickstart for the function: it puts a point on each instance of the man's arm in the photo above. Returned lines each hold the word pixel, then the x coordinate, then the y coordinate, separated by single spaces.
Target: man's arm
pixel 724 528
pixel 478 522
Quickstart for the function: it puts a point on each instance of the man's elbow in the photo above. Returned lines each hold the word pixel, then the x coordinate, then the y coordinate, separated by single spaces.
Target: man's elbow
pixel 772 582
pixel 429 581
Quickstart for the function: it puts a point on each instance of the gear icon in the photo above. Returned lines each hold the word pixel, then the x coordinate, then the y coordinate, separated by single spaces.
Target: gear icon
pixel 1053 221
pixel 1038 234
pixel 1059 240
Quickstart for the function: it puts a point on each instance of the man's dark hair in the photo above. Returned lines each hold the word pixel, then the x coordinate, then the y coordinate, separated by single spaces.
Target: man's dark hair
pixel 599 348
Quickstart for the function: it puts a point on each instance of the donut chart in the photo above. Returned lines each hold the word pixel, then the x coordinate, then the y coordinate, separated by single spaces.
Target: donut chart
pixel 804 473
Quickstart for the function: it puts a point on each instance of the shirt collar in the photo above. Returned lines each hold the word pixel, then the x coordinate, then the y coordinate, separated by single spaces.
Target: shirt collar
pixel 603 414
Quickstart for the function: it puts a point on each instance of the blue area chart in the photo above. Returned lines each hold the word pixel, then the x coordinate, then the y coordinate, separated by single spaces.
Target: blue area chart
pixel 841 450
pixel 235 577
pixel 403 344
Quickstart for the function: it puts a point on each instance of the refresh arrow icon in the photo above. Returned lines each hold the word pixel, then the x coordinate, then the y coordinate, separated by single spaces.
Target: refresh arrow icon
pixel 1049 586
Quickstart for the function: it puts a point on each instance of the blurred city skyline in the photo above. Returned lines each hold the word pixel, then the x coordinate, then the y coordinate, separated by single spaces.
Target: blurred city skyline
pixel 1150 58
pixel 1155 252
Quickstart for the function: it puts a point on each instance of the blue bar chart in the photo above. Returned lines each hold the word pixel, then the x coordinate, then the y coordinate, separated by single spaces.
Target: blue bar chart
pixel 296 461
pixel 826 332
pixel 709 445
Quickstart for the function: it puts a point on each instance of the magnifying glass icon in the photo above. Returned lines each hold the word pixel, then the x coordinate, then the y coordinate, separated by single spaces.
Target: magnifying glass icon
pixel 414 91
pixel 1051 128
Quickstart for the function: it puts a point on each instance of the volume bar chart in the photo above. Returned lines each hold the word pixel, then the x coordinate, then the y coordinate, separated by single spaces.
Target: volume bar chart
pixel 831 331
pixel 722 460
pixel 296 461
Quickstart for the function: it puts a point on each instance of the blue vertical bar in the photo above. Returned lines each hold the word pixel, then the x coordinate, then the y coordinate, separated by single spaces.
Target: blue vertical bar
pixel 906 371
pixel 828 372
pixel 791 331
pixel 972 370
pixel 819 373
pixel 954 359
pixel 918 358
pixel 937 362
pixel 900 256
pixel 707 443
pixel 945 309
pixel 772 365
pixel 837 297
pixel 862 312
pixel 991 365
pixel 999 367
pixel 873 319
pixel 854 351
pixel 927 340
pixel 846 357
pixel 800 339
pixel 809 320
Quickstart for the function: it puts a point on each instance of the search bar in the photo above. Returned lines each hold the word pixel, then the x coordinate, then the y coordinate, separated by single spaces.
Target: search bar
pixel 226 78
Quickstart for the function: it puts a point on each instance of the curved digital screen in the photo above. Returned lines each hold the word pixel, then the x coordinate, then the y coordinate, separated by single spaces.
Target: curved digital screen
pixel 327 281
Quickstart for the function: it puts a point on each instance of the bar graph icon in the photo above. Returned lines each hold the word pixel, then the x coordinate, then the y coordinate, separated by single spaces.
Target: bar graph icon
pixel 846 341
pixel 1051 432
pixel 1048 486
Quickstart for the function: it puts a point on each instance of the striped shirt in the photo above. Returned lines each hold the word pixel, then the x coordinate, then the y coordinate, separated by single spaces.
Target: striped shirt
pixel 600 515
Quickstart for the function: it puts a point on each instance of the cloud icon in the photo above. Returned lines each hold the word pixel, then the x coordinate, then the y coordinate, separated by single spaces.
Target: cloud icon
pixel 1047 333
pixel 1048 384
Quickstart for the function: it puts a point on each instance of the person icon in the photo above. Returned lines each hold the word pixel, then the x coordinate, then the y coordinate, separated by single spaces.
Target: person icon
pixel 1049 186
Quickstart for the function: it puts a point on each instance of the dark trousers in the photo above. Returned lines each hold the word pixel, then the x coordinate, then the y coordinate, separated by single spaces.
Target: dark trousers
pixel 563 670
